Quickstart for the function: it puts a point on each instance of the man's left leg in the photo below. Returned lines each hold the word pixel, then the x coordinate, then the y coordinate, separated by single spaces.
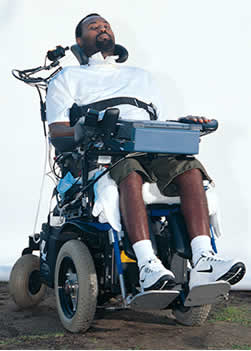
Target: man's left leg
pixel 208 267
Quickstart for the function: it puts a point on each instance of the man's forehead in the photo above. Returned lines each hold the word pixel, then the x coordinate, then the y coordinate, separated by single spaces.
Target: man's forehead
pixel 93 19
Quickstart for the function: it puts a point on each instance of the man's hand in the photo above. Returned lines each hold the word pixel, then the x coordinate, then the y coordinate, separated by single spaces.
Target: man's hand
pixel 207 124
pixel 194 119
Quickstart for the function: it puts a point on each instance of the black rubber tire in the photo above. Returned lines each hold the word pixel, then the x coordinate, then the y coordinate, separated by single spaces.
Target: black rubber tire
pixel 76 255
pixel 24 284
pixel 192 316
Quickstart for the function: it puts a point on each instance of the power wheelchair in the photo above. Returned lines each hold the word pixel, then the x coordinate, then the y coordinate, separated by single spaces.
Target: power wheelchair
pixel 88 263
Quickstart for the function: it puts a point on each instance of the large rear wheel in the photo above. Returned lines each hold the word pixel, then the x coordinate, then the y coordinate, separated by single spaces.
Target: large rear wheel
pixel 76 286
pixel 25 286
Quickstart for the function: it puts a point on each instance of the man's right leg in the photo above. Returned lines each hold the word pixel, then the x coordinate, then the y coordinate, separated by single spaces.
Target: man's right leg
pixel 183 177
pixel 153 275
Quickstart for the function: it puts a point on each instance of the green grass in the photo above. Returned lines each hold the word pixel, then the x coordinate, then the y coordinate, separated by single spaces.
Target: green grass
pixel 232 314
pixel 231 347
pixel 241 347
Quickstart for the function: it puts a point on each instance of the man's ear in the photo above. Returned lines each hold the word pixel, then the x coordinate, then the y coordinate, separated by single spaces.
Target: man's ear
pixel 79 41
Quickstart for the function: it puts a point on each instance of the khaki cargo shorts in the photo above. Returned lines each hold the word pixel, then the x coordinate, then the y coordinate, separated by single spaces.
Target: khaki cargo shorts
pixel 163 170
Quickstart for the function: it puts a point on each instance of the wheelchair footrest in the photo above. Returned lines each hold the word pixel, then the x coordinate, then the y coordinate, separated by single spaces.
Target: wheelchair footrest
pixel 153 299
pixel 207 294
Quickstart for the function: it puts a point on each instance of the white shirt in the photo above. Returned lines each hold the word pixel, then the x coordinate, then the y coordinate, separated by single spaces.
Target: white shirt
pixel 101 79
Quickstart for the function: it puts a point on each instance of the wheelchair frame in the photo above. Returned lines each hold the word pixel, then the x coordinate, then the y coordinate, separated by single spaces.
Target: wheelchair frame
pixel 114 261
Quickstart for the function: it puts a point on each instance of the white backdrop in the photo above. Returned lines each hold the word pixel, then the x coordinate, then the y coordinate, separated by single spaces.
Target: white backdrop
pixel 200 54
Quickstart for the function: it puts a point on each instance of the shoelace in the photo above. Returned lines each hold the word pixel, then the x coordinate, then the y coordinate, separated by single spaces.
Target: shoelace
pixel 212 257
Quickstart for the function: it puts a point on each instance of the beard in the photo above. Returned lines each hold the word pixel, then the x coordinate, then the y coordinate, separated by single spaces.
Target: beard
pixel 106 44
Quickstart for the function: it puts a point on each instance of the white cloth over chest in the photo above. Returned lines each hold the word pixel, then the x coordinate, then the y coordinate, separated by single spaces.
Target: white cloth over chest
pixel 101 79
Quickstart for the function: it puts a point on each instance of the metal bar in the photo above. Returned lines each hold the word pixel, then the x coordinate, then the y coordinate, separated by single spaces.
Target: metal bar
pixel 119 265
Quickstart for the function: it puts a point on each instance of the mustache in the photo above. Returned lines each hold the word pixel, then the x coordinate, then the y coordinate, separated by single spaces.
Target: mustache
pixel 104 33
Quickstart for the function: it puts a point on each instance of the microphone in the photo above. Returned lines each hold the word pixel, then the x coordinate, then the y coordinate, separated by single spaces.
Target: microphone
pixel 58 53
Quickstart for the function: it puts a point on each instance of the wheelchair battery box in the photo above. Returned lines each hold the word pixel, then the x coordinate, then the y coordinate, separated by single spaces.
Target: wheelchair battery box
pixel 157 136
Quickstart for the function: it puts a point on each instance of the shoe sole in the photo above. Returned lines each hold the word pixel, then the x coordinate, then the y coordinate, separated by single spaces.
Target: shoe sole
pixel 166 282
pixel 235 274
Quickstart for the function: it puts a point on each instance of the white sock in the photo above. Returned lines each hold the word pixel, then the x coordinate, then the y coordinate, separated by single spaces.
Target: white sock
pixel 143 250
pixel 200 244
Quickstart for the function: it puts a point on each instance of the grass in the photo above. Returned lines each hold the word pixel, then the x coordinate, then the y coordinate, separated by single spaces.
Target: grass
pixel 241 347
pixel 233 347
pixel 232 314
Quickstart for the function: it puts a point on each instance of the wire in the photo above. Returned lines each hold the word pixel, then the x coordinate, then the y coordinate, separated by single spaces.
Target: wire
pixel 52 164
pixel 50 158
pixel 41 191
pixel 50 175
pixel 26 75
pixel 92 182
pixel 57 175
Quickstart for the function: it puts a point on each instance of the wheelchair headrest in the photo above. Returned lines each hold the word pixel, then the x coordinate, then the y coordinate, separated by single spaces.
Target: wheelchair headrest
pixel 83 59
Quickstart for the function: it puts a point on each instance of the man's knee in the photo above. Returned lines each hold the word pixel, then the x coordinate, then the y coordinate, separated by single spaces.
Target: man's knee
pixel 127 168
pixel 193 174
pixel 133 179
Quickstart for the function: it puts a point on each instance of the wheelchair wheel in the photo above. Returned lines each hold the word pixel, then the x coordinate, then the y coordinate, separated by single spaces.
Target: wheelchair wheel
pixel 25 286
pixel 76 286
pixel 192 316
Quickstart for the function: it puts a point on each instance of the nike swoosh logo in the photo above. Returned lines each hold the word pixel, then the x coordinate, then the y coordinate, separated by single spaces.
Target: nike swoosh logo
pixel 207 270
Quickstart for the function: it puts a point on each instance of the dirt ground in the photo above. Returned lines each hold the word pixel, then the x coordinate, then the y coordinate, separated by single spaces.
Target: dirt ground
pixel 228 327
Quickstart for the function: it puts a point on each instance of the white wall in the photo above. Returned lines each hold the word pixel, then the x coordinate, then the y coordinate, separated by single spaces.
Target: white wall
pixel 200 53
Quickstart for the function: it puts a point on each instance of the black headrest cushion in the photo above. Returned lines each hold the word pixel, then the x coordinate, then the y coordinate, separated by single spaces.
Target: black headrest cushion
pixel 83 59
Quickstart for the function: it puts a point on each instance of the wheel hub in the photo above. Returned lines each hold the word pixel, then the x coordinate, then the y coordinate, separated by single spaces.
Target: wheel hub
pixel 71 287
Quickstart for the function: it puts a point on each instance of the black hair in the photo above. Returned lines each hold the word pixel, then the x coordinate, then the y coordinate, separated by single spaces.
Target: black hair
pixel 78 30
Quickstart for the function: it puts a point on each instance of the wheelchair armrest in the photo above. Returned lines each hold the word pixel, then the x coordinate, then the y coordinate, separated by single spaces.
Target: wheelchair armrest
pixel 63 144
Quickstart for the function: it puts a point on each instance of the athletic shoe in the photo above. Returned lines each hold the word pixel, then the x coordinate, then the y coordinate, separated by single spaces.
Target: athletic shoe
pixel 210 268
pixel 154 276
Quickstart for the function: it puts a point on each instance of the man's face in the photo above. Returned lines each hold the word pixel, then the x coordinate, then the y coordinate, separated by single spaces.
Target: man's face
pixel 97 35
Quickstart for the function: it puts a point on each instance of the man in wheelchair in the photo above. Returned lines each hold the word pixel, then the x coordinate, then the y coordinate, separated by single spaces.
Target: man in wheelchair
pixel 101 82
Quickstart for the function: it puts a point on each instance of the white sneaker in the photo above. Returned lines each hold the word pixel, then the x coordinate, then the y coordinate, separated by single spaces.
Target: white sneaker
pixel 210 268
pixel 154 276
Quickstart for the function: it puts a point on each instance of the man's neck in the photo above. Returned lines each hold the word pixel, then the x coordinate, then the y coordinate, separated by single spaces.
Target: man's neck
pixel 99 59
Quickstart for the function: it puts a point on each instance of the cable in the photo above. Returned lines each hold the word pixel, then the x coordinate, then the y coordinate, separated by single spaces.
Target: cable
pixel 52 165
pixel 27 76
pixel 92 182
pixel 50 158
pixel 57 175
pixel 50 175
pixel 41 191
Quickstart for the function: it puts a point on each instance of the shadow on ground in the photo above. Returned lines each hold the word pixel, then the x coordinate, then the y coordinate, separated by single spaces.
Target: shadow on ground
pixel 228 327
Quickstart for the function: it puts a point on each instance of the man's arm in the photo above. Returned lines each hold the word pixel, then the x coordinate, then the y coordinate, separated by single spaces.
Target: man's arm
pixel 58 103
pixel 60 129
